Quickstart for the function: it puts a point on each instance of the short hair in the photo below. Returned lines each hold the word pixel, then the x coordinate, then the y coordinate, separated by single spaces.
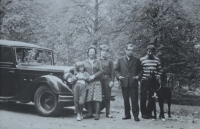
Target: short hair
pixel 129 45
pixel 79 64
pixel 91 47
pixel 151 47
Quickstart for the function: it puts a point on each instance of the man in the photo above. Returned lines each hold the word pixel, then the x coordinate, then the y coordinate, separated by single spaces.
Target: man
pixel 149 63
pixel 129 70
pixel 107 78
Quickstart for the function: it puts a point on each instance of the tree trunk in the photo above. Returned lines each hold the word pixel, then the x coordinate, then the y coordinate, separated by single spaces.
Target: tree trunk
pixel 96 21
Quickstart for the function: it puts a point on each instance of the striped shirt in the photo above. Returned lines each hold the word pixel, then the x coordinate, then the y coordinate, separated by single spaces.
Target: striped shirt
pixel 150 65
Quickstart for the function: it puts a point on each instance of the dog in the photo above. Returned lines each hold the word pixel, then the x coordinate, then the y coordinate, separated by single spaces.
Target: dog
pixel 167 84
pixel 162 92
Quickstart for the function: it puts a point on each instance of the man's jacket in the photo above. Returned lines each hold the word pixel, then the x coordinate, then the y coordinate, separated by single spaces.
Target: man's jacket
pixel 128 69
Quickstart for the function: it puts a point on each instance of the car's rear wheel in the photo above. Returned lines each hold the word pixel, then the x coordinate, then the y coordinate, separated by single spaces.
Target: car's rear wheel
pixel 46 101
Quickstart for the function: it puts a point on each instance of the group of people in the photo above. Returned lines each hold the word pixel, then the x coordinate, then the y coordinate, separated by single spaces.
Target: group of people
pixel 95 77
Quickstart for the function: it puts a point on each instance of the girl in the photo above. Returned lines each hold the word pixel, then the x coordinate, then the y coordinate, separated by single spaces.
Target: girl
pixel 79 89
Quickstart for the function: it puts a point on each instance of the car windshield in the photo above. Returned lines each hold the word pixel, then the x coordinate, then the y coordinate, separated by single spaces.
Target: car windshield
pixel 33 56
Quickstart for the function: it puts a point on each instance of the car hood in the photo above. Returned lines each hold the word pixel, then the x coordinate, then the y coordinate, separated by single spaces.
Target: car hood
pixel 49 68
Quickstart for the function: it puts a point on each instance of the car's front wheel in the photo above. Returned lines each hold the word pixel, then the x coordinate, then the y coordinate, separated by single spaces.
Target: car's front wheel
pixel 46 102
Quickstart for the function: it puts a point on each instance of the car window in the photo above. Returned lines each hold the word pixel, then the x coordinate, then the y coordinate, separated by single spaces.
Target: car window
pixel 33 56
pixel 6 54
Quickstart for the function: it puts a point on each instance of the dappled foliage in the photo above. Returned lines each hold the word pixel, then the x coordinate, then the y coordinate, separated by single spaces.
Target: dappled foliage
pixel 70 27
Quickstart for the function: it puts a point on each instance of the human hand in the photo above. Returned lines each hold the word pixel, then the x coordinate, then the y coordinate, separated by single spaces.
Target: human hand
pixel 92 77
pixel 158 78
pixel 73 78
pixel 136 77
pixel 111 84
pixel 69 80
pixel 121 77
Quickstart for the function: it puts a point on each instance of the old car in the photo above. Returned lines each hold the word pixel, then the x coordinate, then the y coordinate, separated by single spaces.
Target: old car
pixel 28 74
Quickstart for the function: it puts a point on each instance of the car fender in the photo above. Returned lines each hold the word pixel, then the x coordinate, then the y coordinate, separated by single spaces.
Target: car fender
pixel 55 83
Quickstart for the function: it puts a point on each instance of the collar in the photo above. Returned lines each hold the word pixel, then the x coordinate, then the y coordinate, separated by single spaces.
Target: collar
pixel 88 60
pixel 91 60
pixel 103 58
pixel 147 57
pixel 128 58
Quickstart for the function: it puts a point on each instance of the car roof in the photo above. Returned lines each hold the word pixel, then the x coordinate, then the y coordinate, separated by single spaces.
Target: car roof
pixel 20 44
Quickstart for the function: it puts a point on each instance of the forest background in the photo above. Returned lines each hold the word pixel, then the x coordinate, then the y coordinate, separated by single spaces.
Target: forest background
pixel 70 26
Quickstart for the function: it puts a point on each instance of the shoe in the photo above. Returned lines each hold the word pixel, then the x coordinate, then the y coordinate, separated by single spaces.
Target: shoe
pixel 126 117
pixel 81 115
pixel 163 119
pixel 145 116
pixel 151 116
pixel 78 118
pixel 88 116
pixel 109 116
pixel 136 119
pixel 97 117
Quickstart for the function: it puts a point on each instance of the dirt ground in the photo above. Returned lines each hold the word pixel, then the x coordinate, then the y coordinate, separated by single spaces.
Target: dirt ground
pixel 24 116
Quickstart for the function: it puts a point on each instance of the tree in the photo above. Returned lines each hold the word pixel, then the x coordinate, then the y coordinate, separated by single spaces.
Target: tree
pixel 2 14
pixel 70 27
pixel 174 37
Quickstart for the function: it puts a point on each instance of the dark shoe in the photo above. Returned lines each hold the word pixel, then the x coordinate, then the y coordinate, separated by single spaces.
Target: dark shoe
pixel 145 116
pixel 136 119
pixel 151 116
pixel 88 116
pixel 126 117
pixel 97 117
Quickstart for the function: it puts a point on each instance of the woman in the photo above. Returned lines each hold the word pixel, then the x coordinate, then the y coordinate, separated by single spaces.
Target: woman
pixel 94 96
pixel 107 79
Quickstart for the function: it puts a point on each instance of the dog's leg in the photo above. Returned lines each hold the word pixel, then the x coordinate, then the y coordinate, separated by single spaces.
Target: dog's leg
pixel 169 97
pixel 161 108
pixel 154 102
pixel 169 107
pixel 161 104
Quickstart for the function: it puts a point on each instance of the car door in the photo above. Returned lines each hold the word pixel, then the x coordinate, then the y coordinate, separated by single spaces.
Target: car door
pixel 9 76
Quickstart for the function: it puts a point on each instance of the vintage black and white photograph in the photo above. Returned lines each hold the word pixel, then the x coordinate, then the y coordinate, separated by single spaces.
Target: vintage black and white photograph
pixel 99 64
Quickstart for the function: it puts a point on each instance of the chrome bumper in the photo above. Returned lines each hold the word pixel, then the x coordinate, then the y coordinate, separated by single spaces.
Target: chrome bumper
pixel 65 98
